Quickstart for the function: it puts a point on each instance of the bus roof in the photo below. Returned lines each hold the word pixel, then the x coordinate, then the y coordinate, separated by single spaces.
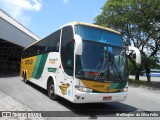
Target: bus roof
pixel 81 23
pixel 90 25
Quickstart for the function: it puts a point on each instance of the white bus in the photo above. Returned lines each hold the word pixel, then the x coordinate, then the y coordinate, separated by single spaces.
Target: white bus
pixel 81 62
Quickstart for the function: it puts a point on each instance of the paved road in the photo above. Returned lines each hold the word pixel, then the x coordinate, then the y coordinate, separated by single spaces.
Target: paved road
pixel 35 98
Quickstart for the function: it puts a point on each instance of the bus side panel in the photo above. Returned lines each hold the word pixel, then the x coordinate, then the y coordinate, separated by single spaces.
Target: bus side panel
pixel 45 66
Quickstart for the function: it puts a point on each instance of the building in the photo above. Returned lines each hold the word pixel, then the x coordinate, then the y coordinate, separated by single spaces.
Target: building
pixel 14 37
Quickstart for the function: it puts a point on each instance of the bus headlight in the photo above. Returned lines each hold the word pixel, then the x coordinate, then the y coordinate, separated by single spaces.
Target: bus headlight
pixel 124 89
pixel 83 89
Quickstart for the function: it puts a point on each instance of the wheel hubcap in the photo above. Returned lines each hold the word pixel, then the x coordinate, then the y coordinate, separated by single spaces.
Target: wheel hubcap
pixel 51 89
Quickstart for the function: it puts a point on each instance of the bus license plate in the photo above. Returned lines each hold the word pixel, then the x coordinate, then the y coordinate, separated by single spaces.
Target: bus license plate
pixel 107 98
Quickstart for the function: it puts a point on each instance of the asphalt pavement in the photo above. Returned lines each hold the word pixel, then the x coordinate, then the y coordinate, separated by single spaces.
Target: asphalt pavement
pixel 15 95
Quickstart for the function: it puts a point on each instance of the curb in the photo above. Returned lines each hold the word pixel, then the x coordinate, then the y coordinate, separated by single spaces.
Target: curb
pixel 143 86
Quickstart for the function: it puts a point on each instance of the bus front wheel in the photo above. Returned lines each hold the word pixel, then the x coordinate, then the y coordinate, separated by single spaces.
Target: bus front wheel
pixel 51 91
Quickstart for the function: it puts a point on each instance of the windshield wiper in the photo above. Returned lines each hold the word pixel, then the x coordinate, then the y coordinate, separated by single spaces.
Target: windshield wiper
pixel 101 66
pixel 116 70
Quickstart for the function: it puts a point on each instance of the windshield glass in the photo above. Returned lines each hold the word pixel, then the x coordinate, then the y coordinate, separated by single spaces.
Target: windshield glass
pixel 98 35
pixel 101 62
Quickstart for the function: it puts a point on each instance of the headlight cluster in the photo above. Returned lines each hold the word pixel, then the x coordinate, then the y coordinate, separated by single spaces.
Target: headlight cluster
pixel 124 89
pixel 83 89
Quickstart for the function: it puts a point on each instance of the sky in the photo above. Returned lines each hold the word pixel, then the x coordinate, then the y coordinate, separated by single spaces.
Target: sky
pixel 43 17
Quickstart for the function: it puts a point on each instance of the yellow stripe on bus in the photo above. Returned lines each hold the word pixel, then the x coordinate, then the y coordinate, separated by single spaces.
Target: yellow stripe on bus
pixel 101 86
pixel 97 86
pixel 28 66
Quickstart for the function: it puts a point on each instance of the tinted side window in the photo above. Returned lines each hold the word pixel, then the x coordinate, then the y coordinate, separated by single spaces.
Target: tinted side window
pixel 54 43
pixel 28 52
pixel 48 44
pixel 67 50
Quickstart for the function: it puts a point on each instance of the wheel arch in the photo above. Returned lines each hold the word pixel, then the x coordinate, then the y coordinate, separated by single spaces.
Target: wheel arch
pixel 51 78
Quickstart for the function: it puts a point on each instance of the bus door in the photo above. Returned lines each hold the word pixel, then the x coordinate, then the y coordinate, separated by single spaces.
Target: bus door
pixel 65 73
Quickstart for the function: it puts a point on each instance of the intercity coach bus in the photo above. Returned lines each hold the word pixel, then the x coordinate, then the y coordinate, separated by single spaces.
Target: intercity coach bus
pixel 81 62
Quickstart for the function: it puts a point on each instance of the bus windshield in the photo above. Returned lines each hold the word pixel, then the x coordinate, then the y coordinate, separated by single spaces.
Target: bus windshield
pixel 99 35
pixel 101 62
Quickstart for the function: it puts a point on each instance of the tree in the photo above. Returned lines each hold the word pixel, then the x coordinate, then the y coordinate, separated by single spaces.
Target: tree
pixel 138 21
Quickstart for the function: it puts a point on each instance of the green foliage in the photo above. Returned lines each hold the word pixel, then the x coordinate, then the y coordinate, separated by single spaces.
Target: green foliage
pixel 138 21
pixel 130 68
pixel 151 62
pixel 133 18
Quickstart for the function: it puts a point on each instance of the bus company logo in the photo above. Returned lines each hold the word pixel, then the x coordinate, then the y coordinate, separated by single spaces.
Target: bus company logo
pixel 107 89
pixel 53 61
pixel 28 61
pixel 63 88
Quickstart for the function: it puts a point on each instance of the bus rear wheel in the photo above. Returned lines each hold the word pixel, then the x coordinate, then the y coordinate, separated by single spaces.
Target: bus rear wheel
pixel 51 91
pixel 24 78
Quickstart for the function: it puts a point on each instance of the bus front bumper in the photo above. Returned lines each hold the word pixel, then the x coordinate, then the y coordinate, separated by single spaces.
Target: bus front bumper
pixel 84 97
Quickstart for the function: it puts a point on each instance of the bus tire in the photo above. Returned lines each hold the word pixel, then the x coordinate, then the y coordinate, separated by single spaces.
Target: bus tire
pixel 24 79
pixel 51 91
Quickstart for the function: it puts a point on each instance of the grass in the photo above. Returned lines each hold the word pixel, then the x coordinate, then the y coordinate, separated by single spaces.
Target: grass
pixel 152 85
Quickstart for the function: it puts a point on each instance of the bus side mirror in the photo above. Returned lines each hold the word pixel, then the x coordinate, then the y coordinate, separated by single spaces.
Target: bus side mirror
pixel 78 45
pixel 137 52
